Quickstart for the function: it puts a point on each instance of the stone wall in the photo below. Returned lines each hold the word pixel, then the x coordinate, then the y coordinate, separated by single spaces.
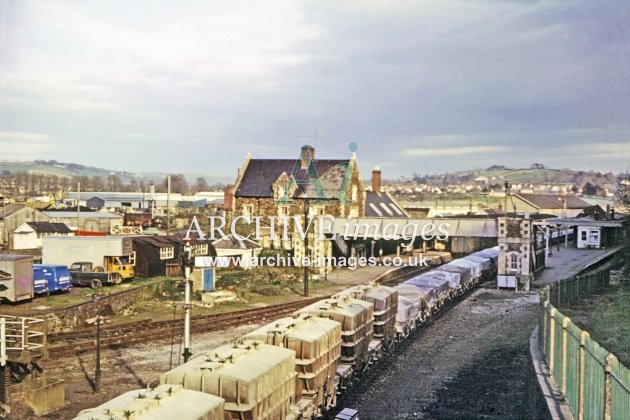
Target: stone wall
pixel 73 317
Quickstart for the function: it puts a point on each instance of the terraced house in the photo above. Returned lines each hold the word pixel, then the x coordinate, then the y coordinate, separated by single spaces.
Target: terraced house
pixel 277 188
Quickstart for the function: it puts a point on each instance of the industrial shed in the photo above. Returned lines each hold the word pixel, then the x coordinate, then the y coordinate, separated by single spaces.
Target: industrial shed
pixel 161 255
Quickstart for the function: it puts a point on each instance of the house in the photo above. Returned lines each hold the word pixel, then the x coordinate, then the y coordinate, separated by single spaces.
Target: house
pixel 244 250
pixel 161 255
pixel 557 205
pixel 13 216
pixel 30 234
pixel 284 188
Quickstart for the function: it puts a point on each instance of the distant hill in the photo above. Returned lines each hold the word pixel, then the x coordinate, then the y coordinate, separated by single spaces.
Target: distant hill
pixel 537 174
pixel 70 170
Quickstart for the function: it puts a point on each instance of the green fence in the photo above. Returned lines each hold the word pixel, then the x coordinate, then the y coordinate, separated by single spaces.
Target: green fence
pixel 593 382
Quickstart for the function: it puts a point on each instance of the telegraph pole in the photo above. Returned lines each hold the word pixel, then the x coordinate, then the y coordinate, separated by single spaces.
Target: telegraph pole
pixel 78 205
pixel 187 263
pixel 168 203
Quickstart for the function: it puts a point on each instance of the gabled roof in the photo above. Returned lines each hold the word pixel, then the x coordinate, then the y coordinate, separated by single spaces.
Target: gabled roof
pixel 551 201
pixel 49 227
pixel 381 204
pixel 9 209
pixel 260 174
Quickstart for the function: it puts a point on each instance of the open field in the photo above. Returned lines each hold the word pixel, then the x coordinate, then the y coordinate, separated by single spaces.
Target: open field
pixel 606 317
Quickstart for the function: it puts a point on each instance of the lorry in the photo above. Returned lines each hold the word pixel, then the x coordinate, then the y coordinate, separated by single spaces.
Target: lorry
pixel 51 278
pixel 84 274
pixel 16 277
pixel 112 255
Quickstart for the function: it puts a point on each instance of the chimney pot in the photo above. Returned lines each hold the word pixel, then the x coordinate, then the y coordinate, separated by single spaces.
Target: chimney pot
pixel 306 155
pixel 228 198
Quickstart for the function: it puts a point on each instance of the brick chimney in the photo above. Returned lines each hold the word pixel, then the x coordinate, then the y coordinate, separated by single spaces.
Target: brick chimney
pixel 306 155
pixel 376 179
pixel 228 198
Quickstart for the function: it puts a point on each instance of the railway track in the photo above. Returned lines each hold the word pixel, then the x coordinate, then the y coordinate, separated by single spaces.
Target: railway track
pixel 125 335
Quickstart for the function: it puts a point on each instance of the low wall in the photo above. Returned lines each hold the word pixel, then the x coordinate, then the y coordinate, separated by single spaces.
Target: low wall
pixel 47 398
pixel 71 317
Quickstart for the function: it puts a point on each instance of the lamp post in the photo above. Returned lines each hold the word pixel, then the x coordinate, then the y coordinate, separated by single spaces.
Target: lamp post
pixel 186 265
pixel 305 247
pixel 97 372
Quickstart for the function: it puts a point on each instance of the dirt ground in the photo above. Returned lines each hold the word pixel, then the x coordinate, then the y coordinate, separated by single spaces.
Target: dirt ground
pixel 470 362
pixel 122 370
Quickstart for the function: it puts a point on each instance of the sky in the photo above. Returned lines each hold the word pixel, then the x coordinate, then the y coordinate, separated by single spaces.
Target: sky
pixel 420 86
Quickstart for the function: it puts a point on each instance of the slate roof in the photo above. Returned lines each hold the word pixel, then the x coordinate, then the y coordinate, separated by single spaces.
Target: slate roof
pixel 550 201
pixel 382 205
pixel 260 174
pixel 49 227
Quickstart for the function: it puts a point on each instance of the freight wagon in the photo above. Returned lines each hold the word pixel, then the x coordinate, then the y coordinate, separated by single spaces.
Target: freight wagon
pixel 51 278
pixel 256 380
pixel 16 277
pixel 283 369
pixel 165 402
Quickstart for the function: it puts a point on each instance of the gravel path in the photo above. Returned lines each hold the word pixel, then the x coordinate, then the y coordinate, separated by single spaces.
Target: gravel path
pixel 470 362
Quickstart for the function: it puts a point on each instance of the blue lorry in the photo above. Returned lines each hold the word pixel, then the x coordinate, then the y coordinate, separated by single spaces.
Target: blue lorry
pixel 49 278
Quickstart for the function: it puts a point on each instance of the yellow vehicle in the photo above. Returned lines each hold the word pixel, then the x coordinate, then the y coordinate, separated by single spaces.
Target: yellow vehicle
pixel 107 254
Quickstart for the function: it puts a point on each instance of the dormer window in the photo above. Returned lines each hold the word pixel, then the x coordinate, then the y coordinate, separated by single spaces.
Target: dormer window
pixel 280 192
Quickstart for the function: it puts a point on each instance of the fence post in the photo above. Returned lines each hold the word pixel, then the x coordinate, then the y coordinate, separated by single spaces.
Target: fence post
pixel 552 331
pixel 610 361
pixel 583 337
pixel 565 323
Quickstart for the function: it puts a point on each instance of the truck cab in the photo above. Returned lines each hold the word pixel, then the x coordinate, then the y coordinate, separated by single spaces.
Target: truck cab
pixel 123 265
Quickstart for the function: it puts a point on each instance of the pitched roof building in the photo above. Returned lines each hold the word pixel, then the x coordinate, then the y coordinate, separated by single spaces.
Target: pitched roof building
pixel 558 205
pixel 284 188
pixel 30 234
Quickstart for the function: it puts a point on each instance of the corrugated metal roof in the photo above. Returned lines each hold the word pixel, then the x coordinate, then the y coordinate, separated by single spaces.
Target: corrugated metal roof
pixel 83 215
pixel 484 228
pixel 49 227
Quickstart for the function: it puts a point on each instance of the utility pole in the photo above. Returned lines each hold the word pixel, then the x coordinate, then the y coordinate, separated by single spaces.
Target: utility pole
pixel 78 205
pixel 186 265
pixel 168 204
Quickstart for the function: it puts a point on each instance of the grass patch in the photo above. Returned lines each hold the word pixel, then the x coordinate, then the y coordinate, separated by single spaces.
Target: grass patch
pixel 606 317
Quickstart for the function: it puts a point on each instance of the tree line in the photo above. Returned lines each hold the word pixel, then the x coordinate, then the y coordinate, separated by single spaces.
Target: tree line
pixel 25 184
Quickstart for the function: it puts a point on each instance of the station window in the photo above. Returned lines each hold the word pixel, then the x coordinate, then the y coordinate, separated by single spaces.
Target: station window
pixel 248 210
pixel 583 235
pixel 514 262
